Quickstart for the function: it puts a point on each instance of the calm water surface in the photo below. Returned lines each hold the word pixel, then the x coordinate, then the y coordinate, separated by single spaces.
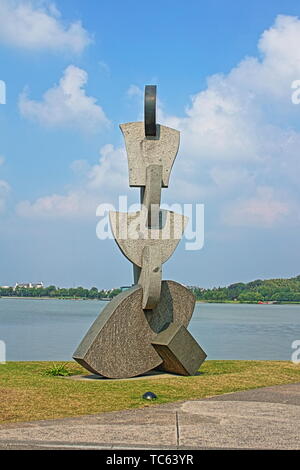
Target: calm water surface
pixel 52 329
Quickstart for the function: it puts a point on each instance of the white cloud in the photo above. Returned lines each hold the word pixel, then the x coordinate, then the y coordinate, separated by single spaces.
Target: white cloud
pixel 66 104
pixel 33 25
pixel 111 173
pixel 101 183
pixel 235 116
pixel 240 139
pixel 74 204
pixel 264 209
pixel 242 132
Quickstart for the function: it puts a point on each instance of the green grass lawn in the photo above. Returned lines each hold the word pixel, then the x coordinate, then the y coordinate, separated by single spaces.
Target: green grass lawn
pixel 28 394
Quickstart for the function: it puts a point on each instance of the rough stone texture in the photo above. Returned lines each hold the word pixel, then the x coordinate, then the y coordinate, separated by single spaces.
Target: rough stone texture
pixel 152 194
pixel 150 278
pixel 176 305
pixel 132 234
pixel 150 275
pixel 180 352
pixel 142 151
pixel 118 344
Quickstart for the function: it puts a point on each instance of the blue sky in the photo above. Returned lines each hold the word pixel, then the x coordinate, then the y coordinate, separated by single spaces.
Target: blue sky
pixel 74 70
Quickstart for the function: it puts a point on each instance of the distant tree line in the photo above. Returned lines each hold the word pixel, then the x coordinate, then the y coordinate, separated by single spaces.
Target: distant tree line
pixel 276 290
pixel 54 292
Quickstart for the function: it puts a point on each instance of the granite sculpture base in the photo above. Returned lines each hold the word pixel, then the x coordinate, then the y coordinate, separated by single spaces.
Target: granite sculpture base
pixel 124 340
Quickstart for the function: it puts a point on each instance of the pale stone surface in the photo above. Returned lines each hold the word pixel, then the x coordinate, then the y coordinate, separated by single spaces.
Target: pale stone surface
pixel 176 305
pixel 132 234
pixel 142 151
pixel 265 418
pixel 180 352
pixel 118 344
pixel 239 425
pixel 150 275
pixel 152 194
pixel 150 278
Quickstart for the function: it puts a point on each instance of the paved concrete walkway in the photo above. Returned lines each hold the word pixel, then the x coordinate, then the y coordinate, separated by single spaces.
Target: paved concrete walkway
pixel 266 418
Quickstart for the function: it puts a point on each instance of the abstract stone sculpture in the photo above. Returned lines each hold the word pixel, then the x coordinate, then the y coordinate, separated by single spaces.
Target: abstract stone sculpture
pixel 145 327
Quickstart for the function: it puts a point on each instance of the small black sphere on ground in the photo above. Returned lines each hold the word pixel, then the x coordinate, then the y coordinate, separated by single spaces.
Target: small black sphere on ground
pixel 149 396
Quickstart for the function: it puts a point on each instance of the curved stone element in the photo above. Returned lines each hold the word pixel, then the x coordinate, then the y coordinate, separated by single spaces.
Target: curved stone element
pixel 152 194
pixel 150 110
pixel 150 199
pixel 143 151
pixel 132 234
pixel 150 277
pixel 176 305
pixel 118 344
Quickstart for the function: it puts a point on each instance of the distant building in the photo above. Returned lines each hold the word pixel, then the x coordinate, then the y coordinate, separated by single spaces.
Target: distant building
pixel 28 285
pixel 22 285
pixel 38 285
pixel 202 289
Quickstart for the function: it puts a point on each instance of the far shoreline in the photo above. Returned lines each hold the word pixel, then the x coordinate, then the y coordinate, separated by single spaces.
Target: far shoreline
pixel 48 298
pixel 108 300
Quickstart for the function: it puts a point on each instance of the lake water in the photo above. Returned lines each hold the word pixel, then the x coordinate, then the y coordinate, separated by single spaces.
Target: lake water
pixel 52 329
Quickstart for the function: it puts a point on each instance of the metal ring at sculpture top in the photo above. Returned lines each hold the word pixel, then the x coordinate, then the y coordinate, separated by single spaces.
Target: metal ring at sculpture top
pixel 150 110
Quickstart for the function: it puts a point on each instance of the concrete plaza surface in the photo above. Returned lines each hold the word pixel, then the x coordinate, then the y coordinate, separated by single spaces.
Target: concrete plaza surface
pixel 265 418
